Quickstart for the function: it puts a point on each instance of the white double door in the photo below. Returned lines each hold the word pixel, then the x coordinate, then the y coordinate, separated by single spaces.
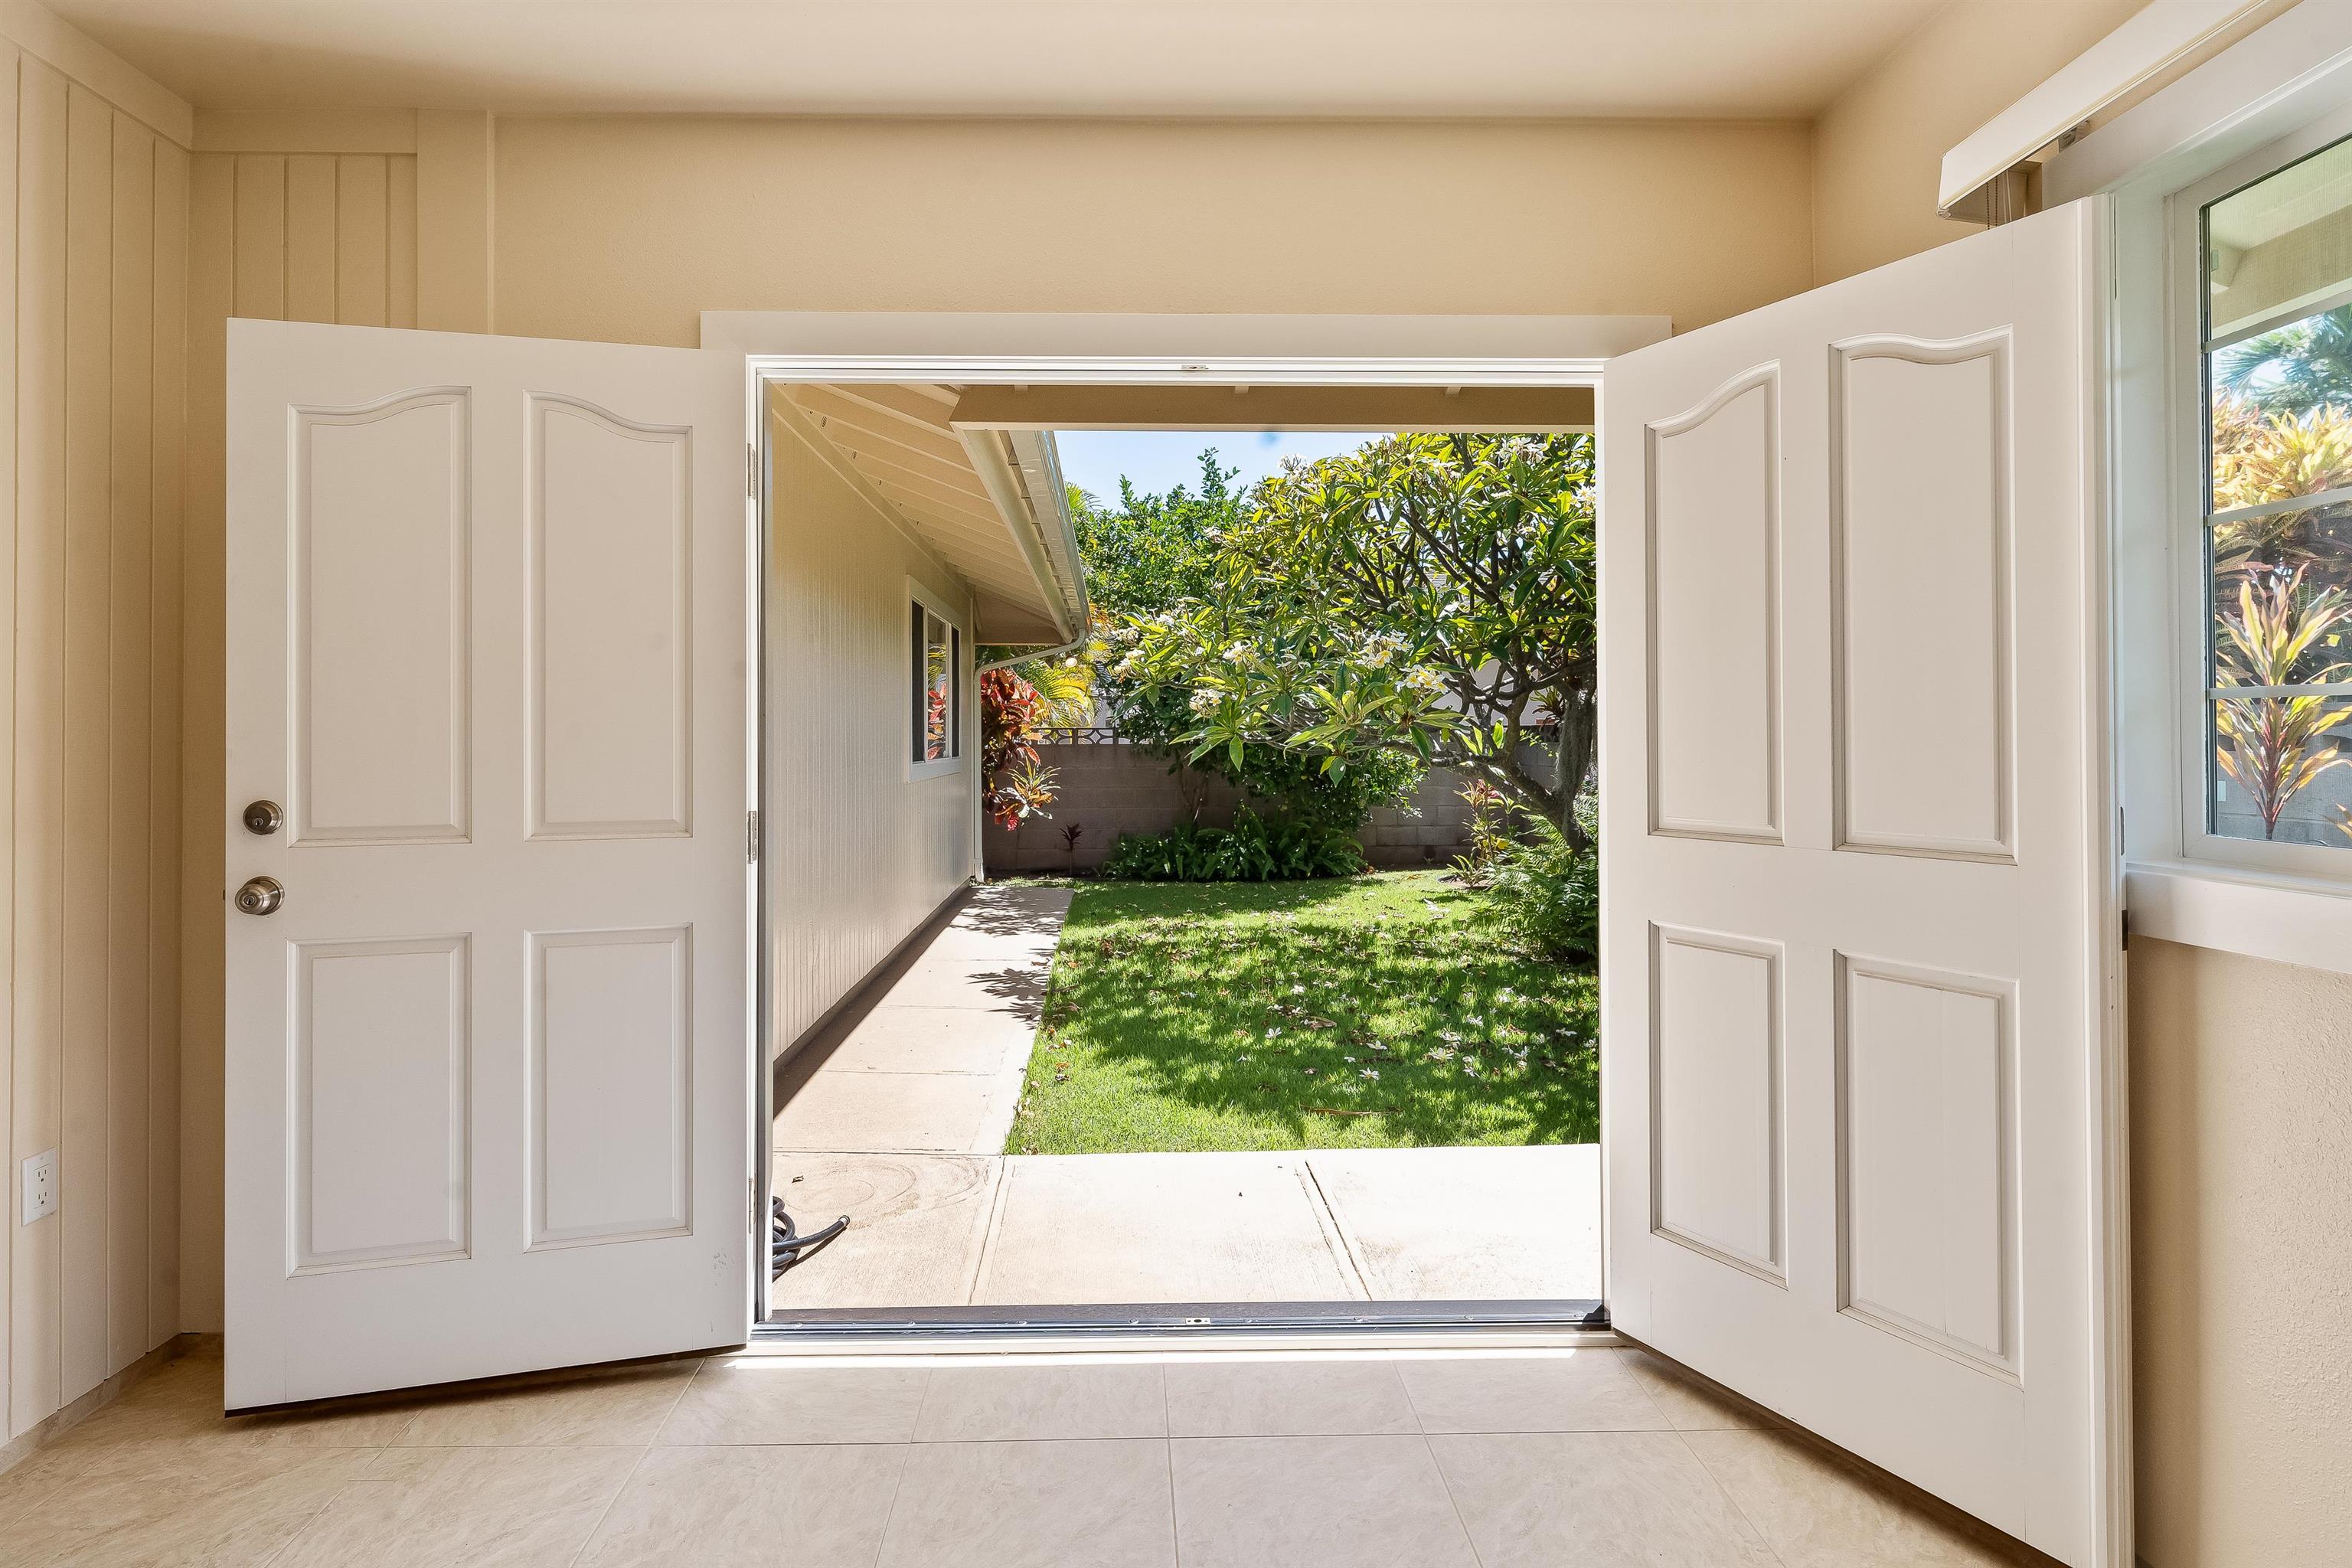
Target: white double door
pixel 488 1063
pixel 487 1058
pixel 1860 944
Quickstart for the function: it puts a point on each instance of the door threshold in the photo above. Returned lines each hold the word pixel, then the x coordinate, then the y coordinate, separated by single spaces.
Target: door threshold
pixel 1205 1326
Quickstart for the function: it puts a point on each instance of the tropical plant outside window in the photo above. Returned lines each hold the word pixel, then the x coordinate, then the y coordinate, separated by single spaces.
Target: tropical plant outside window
pixel 938 665
pixel 2276 343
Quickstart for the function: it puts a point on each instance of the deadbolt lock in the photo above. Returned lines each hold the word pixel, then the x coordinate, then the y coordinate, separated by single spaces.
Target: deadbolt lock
pixel 264 817
pixel 260 896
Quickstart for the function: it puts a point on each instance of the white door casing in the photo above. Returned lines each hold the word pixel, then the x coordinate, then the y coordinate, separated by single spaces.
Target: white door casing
pixel 487 1066
pixel 1859 950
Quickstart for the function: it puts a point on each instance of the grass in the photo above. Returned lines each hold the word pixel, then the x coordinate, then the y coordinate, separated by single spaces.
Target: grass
pixel 1372 1012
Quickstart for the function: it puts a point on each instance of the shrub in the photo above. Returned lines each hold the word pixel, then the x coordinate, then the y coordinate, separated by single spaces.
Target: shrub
pixel 1012 716
pixel 1546 894
pixel 1255 849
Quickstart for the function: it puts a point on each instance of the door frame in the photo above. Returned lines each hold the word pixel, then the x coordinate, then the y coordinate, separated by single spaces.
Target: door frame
pixel 1001 349
pixel 785 347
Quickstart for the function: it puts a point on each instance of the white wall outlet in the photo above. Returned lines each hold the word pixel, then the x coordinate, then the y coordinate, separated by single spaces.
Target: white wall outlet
pixel 41 1185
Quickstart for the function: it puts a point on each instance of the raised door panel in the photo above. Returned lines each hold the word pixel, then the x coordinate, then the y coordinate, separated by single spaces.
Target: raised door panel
pixel 1715 1097
pixel 380 636
pixel 1920 518
pixel 1713 533
pixel 1928 1136
pixel 611 542
pixel 380 1049
pixel 612 1103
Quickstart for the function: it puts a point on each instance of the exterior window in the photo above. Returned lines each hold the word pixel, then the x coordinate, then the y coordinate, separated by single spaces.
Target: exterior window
pixel 2275 349
pixel 936 646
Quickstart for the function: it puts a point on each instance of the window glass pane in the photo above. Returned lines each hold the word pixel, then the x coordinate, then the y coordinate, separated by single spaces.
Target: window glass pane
pixel 935 690
pixel 2283 413
pixel 2275 250
pixel 2282 769
pixel 916 715
pixel 2282 597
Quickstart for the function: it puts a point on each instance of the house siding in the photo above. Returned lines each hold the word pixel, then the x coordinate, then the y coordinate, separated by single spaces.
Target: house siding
pixel 858 853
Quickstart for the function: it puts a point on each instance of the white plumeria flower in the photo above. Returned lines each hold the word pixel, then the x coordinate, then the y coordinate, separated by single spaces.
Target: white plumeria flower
pixel 1369 1072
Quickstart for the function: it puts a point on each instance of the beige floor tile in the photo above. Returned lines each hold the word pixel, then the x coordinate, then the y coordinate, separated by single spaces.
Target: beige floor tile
pixel 768 1399
pixel 1469 1224
pixel 1314 1502
pixel 1034 1505
pixel 1160 1228
pixel 917 1223
pixel 1558 1390
pixel 1690 1402
pixel 1820 1511
pixel 932 1039
pixel 484 1508
pixel 1597 1500
pixel 180 1502
pixel 1257 1398
pixel 941 1113
pixel 624 1408
pixel 182 1400
pixel 998 1403
pixel 805 1506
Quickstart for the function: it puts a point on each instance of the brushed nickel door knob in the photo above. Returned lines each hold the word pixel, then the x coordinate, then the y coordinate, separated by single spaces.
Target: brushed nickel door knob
pixel 260 894
pixel 264 817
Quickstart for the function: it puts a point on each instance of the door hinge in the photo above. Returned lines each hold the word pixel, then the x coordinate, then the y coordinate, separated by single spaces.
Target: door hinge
pixel 751 837
pixel 2123 917
pixel 750 471
pixel 751 1204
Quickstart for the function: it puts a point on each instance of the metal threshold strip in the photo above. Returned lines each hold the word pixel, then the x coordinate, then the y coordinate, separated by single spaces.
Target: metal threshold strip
pixel 1207 1319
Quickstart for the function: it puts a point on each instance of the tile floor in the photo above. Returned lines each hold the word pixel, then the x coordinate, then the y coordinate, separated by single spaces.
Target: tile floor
pixel 1350 1460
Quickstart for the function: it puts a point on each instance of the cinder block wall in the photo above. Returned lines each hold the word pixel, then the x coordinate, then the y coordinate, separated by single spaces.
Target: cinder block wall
pixel 1114 787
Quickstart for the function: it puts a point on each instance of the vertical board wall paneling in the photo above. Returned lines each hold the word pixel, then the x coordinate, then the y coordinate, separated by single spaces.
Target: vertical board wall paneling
pixel 300 237
pixel 89 550
pixel 38 829
pixel 8 69
pixel 130 696
pixel 95 208
pixel 212 291
pixel 168 490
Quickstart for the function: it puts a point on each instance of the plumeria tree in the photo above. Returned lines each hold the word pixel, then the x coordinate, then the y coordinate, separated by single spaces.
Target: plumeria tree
pixel 1426 600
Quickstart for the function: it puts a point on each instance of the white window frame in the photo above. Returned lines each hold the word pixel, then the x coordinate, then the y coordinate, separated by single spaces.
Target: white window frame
pixel 2194 140
pixel 960 646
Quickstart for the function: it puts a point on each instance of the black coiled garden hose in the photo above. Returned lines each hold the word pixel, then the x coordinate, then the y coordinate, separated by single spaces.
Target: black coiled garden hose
pixel 787 1246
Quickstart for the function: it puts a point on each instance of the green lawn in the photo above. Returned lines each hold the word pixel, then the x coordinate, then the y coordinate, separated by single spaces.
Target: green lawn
pixel 1373 1012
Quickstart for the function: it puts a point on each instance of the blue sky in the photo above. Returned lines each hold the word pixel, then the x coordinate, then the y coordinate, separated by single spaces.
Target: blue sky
pixel 1159 461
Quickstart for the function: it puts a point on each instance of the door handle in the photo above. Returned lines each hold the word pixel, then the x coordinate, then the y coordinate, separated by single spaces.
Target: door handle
pixel 260 896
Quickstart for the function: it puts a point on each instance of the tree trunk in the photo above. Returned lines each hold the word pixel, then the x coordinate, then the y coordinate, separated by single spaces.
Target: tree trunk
pixel 1579 730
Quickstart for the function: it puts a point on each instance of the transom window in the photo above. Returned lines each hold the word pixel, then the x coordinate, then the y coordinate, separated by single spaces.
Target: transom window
pixel 937 645
pixel 2276 354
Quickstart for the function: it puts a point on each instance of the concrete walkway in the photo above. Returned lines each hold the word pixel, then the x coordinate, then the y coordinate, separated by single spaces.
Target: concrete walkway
pixel 896 1117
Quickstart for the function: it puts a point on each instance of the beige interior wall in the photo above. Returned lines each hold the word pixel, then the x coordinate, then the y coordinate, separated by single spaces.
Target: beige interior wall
pixel 623 228
pixel 2241 1257
pixel 308 218
pixel 1878 150
pixel 861 853
pixel 93 219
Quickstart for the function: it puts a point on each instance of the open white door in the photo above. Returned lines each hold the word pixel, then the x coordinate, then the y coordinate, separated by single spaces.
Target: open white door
pixel 1861 945
pixel 487 1062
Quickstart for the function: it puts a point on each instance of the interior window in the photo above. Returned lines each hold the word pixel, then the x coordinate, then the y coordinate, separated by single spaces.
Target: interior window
pixel 937 665
pixel 2277 359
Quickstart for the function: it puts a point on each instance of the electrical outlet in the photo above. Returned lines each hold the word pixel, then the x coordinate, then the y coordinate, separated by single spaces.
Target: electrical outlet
pixel 41 1185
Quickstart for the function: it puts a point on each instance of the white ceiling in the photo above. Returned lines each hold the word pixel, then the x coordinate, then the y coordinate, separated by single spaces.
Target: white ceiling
pixel 1760 58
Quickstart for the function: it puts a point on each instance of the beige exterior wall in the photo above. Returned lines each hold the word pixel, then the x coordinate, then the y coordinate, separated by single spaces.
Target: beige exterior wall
pixel 1878 150
pixel 93 221
pixel 860 853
